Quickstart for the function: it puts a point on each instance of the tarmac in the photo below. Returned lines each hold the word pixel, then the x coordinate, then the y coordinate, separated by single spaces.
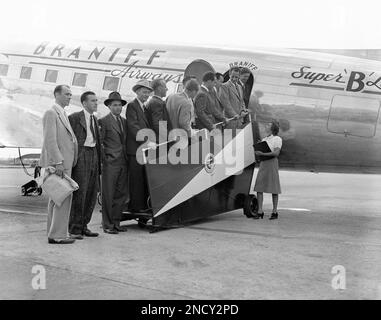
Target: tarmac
pixel 328 223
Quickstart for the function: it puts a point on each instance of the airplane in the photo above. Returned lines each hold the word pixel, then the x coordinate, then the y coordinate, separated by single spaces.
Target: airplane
pixel 328 107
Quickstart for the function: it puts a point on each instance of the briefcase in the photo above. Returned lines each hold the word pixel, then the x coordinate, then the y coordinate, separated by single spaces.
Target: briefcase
pixel 57 188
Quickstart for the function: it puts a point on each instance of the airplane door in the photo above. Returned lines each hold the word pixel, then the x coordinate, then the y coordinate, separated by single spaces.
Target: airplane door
pixel 198 68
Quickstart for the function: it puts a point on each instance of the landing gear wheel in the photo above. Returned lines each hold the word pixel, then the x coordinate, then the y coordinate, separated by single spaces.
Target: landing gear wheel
pixel 142 223
pixel 250 206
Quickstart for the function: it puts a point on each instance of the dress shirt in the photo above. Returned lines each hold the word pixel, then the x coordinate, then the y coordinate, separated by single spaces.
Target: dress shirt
pixel 119 122
pixel 90 140
pixel 142 105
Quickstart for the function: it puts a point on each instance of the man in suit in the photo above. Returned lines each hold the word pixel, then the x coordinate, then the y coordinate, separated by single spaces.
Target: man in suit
pixel 157 111
pixel 59 150
pixel 180 107
pixel 246 90
pixel 231 98
pixel 219 81
pixel 136 115
pixel 86 172
pixel 207 106
pixel 114 169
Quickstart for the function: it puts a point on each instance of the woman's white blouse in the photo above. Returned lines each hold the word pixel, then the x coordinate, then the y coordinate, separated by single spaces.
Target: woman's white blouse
pixel 273 142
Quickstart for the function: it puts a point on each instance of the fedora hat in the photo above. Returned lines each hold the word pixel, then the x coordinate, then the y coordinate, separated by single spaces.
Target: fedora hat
pixel 141 84
pixel 114 96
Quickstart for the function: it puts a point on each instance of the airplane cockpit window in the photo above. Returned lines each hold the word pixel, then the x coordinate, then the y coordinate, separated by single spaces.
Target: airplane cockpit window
pixel 353 116
pixel 79 79
pixel 51 76
pixel 111 83
pixel 4 69
pixel 26 73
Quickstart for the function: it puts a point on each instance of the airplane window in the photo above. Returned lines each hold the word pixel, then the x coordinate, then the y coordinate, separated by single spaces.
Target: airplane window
pixel 26 73
pixel 353 116
pixel 79 79
pixel 51 76
pixel 4 69
pixel 111 83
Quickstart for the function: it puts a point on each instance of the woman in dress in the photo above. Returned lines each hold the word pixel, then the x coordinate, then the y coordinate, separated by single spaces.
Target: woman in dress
pixel 268 173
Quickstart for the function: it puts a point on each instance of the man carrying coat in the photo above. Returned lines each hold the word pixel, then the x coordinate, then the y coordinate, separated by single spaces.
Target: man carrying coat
pixel 136 115
pixel 86 172
pixel 114 170
pixel 59 150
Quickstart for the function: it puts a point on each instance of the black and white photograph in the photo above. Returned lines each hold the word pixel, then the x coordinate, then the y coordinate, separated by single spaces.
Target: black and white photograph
pixel 190 151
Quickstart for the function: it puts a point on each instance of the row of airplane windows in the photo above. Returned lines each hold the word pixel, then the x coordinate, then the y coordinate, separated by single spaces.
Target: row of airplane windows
pixel 79 79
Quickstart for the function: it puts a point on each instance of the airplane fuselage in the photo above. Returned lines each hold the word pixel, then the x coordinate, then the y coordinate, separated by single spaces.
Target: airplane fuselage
pixel 327 105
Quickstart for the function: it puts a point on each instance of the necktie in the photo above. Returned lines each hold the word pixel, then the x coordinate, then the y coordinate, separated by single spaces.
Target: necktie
pixel 237 88
pixel 120 124
pixel 92 128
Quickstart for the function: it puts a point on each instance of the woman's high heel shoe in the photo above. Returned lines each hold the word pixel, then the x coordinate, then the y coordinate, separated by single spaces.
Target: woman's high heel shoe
pixel 274 216
pixel 258 215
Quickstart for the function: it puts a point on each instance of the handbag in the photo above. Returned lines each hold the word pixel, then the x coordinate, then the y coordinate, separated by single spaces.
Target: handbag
pixel 57 188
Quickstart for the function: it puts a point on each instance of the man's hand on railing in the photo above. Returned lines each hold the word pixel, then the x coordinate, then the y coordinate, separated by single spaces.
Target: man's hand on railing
pixel 244 113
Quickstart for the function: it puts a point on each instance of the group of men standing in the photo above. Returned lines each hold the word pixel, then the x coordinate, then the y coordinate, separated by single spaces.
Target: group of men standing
pixel 87 148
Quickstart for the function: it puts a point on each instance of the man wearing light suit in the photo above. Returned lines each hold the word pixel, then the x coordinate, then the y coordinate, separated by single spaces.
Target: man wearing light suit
pixel 180 107
pixel 59 150
pixel 231 98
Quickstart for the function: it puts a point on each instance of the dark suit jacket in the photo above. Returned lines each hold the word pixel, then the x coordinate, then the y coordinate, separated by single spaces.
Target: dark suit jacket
pixel 246 93
pixel 207 109
pixel 157 111
pixel 136 120
pixel 113 140
pixel 78 124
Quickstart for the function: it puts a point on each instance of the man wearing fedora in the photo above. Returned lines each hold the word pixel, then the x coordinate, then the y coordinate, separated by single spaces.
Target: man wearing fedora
pixel 136 115
pixel 115 172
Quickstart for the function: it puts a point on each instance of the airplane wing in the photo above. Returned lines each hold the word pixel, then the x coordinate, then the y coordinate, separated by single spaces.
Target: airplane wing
pixel 19 127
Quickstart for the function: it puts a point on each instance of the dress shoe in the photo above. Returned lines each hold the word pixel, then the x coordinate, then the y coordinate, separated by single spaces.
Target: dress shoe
pixel 110 231
pixel 89 233
pixel 121 228
pixel 60 241
pixel 76 236
pixel 258 215
pixel 274 216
